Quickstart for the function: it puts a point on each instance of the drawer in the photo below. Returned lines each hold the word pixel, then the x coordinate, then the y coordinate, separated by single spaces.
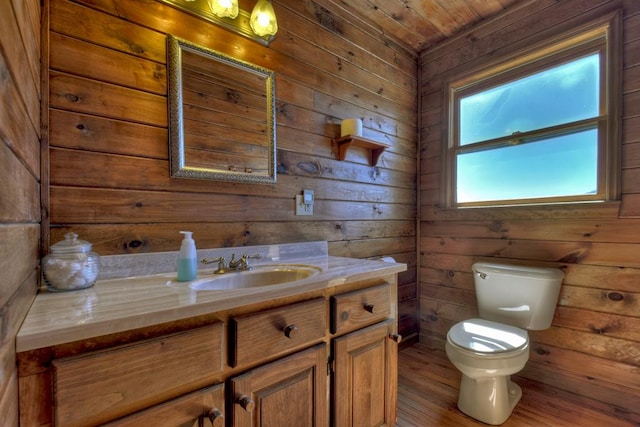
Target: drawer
pixel 353 310
pixel 93 388
pixel 260 336
pixel 201 407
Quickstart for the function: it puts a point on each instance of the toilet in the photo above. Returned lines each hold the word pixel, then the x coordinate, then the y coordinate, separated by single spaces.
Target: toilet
pixel 489 349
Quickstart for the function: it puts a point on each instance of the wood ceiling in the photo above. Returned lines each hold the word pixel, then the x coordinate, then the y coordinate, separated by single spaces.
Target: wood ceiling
pixel 419 24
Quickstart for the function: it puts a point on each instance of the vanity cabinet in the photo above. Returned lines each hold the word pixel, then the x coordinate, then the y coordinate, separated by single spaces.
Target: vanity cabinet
pixel 322 358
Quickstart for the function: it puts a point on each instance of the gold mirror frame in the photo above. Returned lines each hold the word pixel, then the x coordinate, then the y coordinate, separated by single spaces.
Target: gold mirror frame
pixel 264 140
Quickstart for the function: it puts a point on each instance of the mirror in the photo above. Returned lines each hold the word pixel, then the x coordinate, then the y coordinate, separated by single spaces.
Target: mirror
pixel 221 116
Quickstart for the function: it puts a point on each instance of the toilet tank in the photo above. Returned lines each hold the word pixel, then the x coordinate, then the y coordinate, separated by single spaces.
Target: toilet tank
pixel 521 296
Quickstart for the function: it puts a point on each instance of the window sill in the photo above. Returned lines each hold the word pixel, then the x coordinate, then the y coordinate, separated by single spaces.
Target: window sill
pixel 577 210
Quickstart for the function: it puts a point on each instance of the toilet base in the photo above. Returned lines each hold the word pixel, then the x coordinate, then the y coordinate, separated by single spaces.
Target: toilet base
pixel 490 399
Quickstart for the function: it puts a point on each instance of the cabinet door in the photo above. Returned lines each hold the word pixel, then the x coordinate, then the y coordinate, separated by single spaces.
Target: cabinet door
pixel 291 391
pixel 366 377
pixel 201 408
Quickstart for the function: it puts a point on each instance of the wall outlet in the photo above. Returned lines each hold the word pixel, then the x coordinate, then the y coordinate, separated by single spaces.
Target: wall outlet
pixel 304 203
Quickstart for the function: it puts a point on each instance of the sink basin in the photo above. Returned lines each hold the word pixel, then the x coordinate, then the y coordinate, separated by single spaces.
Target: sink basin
pixel 256 277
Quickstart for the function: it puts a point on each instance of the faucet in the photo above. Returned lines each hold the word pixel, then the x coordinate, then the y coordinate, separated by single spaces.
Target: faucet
pixel 243 262
pixel 240 264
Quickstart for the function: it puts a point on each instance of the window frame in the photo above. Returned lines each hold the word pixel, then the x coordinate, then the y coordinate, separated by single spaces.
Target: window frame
pixel 602 36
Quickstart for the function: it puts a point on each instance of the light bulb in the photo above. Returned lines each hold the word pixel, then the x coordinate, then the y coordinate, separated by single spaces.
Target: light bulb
pixel 224 8
pixel 263 19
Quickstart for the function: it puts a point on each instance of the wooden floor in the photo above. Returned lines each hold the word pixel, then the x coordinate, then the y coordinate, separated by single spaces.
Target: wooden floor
pixel 428 392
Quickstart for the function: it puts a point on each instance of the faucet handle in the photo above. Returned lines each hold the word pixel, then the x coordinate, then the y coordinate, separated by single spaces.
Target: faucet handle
pixel 221 266
pixel 246 258
pixel 212 260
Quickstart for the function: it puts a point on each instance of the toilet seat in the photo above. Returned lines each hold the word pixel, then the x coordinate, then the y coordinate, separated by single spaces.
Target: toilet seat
pixel 487 337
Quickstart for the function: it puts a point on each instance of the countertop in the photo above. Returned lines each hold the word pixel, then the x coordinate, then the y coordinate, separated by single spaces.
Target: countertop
pixel 120 304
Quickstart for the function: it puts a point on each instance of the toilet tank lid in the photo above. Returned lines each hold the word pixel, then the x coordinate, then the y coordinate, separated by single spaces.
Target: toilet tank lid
pixel 518 270
pixel 485 336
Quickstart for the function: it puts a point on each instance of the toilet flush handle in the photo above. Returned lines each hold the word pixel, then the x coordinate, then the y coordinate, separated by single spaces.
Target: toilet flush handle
pixel 482 275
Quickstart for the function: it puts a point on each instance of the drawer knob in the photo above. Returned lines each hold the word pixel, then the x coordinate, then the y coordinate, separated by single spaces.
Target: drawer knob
pixel 216 417
pixel 370 307
pixel 247 403
pixel 396 338
pixel 291 331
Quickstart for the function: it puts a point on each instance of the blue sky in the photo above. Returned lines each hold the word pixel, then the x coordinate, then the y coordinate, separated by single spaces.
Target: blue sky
pixel 560 166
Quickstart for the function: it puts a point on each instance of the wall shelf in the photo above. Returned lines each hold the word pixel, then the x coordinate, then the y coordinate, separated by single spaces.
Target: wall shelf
pixel 344 142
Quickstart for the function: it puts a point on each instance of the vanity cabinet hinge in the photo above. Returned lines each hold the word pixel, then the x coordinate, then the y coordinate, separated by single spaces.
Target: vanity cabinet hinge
pixel 331 364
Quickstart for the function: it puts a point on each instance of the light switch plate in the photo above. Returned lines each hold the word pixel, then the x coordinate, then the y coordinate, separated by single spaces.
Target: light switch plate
pixel 301 208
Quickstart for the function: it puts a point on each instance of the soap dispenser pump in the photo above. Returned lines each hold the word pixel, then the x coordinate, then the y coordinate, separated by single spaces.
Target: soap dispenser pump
pixel 187 260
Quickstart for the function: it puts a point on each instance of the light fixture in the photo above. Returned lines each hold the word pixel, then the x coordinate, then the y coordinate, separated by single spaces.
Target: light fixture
pixel 263 19
pixel 224 8
pixel 260 26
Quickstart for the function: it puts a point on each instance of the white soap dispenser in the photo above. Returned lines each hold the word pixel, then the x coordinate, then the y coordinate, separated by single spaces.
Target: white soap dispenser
pixel 187 259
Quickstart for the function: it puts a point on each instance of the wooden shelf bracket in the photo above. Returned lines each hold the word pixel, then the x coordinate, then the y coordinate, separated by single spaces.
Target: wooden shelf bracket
pixel 344 142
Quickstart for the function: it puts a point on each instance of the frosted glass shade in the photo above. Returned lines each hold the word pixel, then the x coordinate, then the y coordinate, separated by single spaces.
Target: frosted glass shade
pixel 263 19
pixel 224 8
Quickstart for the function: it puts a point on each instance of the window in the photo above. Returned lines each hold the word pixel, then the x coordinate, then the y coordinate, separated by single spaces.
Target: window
pixel 539 128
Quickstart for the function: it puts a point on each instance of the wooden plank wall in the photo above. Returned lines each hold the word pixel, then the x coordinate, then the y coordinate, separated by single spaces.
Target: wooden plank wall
pixel 593 345
pixel 19 183
pixel 109 150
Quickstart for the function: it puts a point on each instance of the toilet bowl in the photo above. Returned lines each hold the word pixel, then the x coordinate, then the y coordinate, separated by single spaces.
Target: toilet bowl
pixel 487 350
pixel 487 354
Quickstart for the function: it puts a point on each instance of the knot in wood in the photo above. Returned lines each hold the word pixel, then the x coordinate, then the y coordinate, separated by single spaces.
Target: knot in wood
pixel 136 48
pixel 541 351
pixel 72 98
pixel 233 96
pixel 615 296
pixel 309 167
pixel 496 226
pixel 133 244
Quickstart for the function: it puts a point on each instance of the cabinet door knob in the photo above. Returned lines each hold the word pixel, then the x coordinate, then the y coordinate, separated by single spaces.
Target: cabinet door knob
pixel 291 331
pixel 369 307
pixel 216 417
pixel 247 403
pixel 396 337
pixel 213 418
